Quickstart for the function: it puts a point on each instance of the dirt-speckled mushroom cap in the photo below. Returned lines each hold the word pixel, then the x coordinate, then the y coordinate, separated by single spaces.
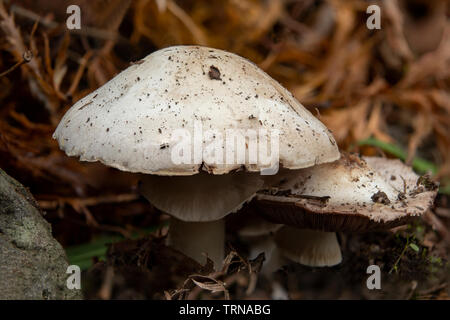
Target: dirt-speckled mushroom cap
pixel 351 194
pixel 128 122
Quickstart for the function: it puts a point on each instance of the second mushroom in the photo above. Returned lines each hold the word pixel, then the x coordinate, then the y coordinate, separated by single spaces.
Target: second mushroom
pixel 352 194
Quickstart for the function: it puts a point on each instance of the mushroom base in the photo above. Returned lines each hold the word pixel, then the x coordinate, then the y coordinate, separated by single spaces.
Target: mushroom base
pixel 309 247
pixel 199 240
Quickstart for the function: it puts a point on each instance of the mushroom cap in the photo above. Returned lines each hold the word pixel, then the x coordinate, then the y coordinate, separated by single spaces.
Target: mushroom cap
pixel 129 122
pixel 351 194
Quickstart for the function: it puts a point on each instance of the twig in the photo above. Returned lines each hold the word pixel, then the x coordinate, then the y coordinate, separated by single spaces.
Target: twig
pixel 83 62
pixel 106 288
pixel 90 201
pixel 26 57
pixel 433 289
pixel 195 30
pixel 15 39
pixel 412 290
pixel 443 212
pixel 436 224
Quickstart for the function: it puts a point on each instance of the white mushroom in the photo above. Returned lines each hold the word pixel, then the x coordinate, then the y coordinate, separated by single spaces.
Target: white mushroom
pixel 161 116
pixel 352 194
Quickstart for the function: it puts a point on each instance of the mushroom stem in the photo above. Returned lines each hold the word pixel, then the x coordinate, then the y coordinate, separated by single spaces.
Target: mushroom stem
pixel 264 243
pixel 199 239
pixel 309 247
pixel 197 205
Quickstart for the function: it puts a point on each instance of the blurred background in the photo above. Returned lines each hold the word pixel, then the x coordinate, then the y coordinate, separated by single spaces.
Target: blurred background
pixel 381 92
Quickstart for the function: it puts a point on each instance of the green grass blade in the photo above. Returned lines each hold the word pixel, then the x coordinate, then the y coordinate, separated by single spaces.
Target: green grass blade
pixel 420 165
pixel 82 255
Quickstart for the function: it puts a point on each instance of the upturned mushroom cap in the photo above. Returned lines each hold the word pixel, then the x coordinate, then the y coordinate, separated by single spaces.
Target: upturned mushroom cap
pixel 128 123
pixel 351 194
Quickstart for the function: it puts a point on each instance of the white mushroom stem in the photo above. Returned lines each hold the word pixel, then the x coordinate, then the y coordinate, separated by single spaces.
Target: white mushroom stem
pixel 198 239
pixel 309 247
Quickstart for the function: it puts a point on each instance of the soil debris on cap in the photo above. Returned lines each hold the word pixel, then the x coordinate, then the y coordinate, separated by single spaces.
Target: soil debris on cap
pixel 381 197
pixel 427 183
pixel 424 184
pixel 84 105
pixel 137 62
pixel 214 73
pixel 401 196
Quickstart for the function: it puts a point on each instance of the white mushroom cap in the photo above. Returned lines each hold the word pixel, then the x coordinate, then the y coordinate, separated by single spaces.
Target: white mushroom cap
pixel 348 181
pixel 350 195
pixel 128 122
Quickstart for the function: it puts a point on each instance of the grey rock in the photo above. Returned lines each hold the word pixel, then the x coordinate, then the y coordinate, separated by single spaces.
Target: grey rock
pixel 32 263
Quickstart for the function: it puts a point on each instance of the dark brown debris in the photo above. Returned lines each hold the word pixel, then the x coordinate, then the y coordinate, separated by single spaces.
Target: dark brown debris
pixel 214 73
pixel 381 197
